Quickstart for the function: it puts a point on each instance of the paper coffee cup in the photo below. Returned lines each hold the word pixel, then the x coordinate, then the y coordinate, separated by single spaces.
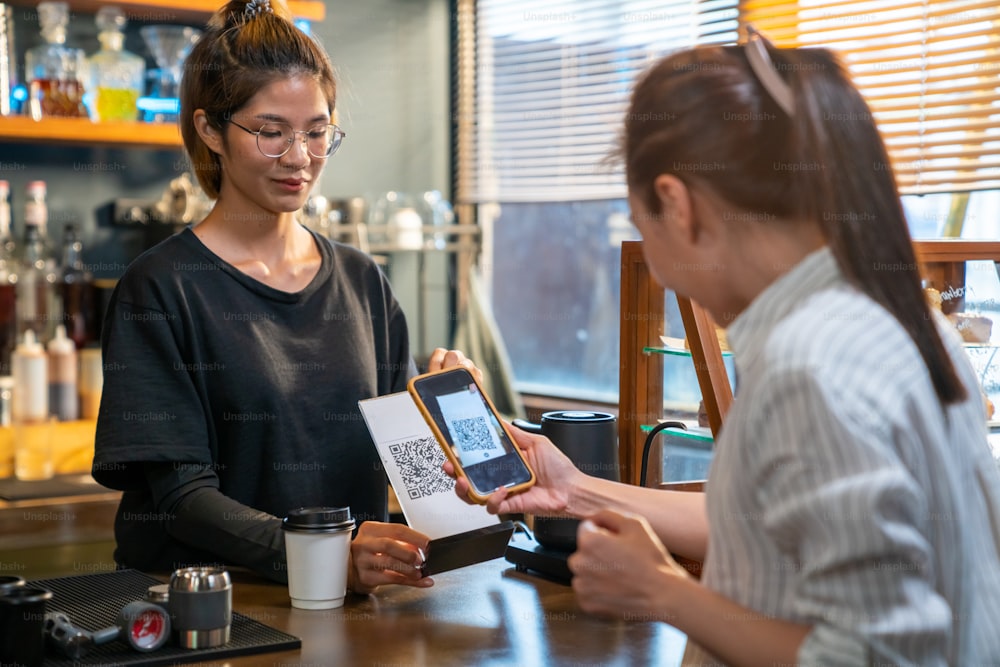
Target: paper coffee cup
pixel 317 545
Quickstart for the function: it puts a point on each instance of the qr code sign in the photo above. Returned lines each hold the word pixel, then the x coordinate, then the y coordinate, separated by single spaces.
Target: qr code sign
pixel 473 434
pixel 419 462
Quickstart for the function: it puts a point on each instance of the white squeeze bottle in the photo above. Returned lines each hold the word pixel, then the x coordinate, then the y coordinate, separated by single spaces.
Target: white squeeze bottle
pixel 64 403
pixel 29 366
pixel 30 410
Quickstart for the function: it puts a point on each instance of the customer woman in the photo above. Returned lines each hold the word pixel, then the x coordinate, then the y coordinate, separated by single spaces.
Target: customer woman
pixel 852 511
pixel 236 351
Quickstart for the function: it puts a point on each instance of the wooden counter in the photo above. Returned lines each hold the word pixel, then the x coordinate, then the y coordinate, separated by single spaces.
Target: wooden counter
pixel 487 614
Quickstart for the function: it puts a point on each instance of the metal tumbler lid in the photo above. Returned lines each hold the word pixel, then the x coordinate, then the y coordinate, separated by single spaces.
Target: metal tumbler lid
pixel 319 519
pixel 25 595
pixel 9 581
pixel 199 579
pixel 158 593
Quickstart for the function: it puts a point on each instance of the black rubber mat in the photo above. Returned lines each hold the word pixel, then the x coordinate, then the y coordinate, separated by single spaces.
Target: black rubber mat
pixel 92 602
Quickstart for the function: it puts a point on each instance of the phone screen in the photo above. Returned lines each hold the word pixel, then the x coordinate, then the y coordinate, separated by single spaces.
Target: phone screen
pixel 472 430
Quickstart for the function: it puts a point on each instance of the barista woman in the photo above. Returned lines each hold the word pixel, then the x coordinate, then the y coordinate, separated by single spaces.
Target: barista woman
pixel 236 351
pixel 852 512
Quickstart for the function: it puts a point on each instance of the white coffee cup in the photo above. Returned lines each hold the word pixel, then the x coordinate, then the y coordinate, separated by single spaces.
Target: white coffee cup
pixel 317 545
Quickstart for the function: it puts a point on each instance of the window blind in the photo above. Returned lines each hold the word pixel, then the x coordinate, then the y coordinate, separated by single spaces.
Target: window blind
pixel 930 70
pixel 552 81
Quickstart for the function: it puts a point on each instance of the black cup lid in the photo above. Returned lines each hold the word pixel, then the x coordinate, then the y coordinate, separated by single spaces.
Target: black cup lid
pixel 319 519
pixel 577 416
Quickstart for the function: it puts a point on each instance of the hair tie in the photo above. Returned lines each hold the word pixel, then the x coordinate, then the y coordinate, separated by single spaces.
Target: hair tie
pixel 762 65
pixel 256 7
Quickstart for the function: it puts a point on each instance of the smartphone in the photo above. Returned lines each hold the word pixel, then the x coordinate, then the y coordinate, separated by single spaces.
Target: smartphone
pixel 467 427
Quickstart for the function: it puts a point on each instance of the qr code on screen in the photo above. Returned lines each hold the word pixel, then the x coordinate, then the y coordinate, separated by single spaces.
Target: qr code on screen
pixel 472 434
pixel 419 462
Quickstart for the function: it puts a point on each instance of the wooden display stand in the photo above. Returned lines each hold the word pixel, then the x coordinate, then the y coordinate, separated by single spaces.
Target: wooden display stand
pixel 641 374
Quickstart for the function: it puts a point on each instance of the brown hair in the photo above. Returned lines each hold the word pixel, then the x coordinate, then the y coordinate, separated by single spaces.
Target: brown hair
pixel 240 52
pixel 704 117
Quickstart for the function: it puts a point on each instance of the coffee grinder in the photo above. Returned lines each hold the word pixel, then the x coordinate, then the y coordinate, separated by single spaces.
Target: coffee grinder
pixel 590 440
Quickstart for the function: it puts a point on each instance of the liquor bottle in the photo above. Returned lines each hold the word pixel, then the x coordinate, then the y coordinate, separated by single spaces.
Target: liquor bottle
pixel 53 70
pixel 8 248
pixel 116 75
pixel 75 287
pixel 8 279
pixel 36 292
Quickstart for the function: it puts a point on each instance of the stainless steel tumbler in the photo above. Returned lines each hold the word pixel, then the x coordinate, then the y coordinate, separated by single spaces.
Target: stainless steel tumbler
pixel 201 604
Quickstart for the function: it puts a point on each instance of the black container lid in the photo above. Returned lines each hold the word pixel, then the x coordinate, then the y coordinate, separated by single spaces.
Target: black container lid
pixel 319 519
pixel 578 416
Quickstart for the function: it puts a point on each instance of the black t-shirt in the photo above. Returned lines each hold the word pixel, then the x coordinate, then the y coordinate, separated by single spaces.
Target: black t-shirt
pixel 227 402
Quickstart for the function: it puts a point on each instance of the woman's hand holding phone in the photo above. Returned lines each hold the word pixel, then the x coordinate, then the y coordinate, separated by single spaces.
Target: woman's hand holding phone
pixel 555 476
pixel 471 434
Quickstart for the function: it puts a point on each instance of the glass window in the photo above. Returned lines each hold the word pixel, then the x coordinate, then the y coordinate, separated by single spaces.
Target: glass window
pixel 541 89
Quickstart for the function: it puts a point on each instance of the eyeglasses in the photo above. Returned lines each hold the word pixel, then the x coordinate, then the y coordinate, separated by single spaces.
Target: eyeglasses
pixel 276 139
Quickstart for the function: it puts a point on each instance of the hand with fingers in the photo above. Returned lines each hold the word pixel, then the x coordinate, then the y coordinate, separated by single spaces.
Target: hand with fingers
pixel 387 553
pixel 442 358
pixel 555 475
pixel 621 568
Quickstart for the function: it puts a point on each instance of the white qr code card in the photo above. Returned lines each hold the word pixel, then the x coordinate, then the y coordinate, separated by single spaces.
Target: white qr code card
pixel 412 459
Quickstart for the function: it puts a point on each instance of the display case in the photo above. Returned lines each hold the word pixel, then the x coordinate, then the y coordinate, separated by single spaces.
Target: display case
pixel 641 365
pixel 962 277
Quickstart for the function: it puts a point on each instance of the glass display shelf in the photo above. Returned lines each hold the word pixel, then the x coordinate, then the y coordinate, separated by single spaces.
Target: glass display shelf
pixel 676 351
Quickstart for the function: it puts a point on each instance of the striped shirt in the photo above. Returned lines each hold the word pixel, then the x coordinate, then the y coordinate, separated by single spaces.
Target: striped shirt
pixel 843 495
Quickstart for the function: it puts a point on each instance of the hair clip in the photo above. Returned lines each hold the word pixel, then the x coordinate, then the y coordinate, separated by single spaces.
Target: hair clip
pixel 257 7
pixel 762 65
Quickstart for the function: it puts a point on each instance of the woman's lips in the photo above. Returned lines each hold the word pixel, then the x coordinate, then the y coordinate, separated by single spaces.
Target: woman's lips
pixel 292 184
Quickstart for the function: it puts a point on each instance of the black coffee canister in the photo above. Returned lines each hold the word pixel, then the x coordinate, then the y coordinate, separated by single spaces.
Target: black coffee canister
pixel 590 440
pixel 22 619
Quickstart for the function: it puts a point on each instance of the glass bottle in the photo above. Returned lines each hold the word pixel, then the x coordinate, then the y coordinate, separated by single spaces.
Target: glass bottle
pixel 8 279
pixel 8 247
pixel 36 293
pixel 76 291
pixel 53 70
pixel 116 75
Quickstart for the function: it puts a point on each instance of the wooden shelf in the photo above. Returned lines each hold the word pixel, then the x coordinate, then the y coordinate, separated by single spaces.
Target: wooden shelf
pixel 956 250
pixel 179 11
pixel 84 132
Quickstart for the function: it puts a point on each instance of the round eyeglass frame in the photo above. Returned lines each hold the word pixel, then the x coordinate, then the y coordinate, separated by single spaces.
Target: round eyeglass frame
pixel 338 138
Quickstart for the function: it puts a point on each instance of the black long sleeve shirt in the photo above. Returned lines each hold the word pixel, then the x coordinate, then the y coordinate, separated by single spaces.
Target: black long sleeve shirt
pixel 227 402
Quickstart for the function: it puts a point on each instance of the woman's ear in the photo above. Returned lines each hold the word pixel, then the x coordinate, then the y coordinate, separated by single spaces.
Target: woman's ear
pixel 675 204
pixel 211 136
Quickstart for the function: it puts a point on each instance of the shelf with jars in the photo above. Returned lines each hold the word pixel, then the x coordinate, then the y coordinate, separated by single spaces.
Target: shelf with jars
pixel 179 11
pixel 155 132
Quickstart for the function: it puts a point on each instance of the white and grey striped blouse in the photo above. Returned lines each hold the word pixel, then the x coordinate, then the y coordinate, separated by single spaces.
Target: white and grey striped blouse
pixel 843 495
